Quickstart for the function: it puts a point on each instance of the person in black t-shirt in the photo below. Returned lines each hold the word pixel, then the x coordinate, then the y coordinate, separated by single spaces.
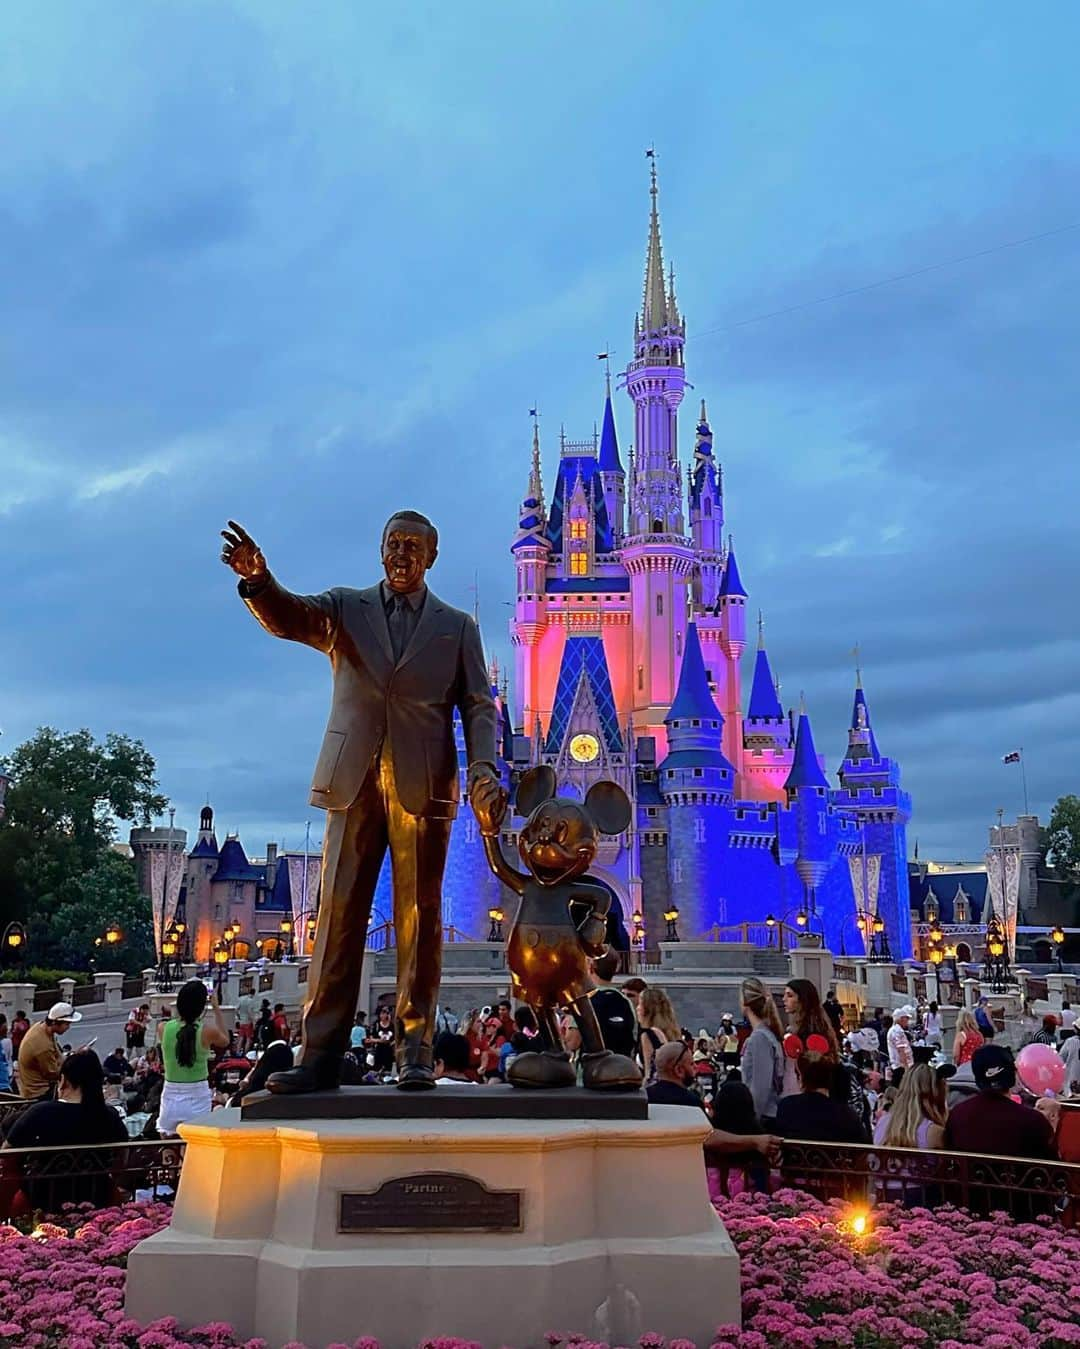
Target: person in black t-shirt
pixel 79 1116
pixel 614 1010
pixel 813 1115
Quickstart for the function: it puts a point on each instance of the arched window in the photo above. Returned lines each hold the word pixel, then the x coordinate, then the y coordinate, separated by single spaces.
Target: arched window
pixel 658 526
pixel 659 606
pixel 708 506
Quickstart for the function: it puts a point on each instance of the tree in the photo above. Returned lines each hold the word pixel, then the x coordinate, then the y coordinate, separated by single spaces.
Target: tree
pixel 1063 837
pixel 108 894
pixel 66 796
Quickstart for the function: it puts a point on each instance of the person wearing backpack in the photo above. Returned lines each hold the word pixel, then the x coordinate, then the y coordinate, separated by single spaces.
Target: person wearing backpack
pixel 762 1062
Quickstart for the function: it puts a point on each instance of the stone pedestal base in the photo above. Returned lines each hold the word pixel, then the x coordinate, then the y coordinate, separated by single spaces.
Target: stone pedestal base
pixel 612 1234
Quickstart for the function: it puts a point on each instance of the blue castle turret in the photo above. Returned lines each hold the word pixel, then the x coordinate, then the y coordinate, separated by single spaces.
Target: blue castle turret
pixel 697 783
pixel 871 796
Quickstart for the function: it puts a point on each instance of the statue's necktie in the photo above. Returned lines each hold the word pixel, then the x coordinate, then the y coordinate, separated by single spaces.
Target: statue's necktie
pixel 398 628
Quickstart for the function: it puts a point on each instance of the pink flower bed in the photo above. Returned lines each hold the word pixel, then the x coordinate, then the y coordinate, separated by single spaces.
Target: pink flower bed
pixel 912 1280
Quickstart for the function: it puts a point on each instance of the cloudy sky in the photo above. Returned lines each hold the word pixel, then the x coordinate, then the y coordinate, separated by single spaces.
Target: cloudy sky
pixel 300 265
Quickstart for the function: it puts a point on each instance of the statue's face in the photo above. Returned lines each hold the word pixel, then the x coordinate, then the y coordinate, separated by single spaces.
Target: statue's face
pixel 558 842
pixel 408 550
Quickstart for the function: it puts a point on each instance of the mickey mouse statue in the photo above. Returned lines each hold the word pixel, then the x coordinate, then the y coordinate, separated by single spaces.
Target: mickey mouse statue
pixel 561 921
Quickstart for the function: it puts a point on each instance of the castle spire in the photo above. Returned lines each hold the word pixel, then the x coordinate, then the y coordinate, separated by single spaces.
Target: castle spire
pixel 536 482
pixel 731 585
pixel 654 309
pixel 805 768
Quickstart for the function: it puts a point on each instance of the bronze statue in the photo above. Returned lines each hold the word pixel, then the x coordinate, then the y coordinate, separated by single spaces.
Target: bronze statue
pixel 387 775
pixel 560 923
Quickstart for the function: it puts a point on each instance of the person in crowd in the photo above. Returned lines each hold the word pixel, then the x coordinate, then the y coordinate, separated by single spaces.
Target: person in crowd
pixel 504 1010
pixel 812 1115
pixel 445 1021
pixel 185 1050
pixel 898 1043
pixel 136 1026
pixel 834 1010
pixel 614 1010
pixel 6 1060
pixel 227 1068
pixel 40 1055
pixel 727 1040
pixel 874 1023
pixel 147 1083
pixel 671 1086
pixel 763 1056
pixel 983 1019
pixel 806 1017
pixel 264 1026
pixel 967 1040
pixel 525 1032
pixel 933 1030
pixel 1068 1016
pixel 20 1024
pixel 280 1023
pixel 275 1058
pixel 990 1121
pixel 1047 1032
pixel 633 988
pixel 359 1032
pixel 116 1064
pixel 1070 1053
pixel 79 1115
pixel 452 1055
pixel 380 1042
pixel 917 1115
pixel 656 1026
pixel 245 1022
pixel 492 1040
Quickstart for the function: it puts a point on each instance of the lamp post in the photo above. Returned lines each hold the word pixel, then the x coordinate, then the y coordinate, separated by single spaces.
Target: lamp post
pixel 639 929
pixel 169 947
pixel 14 944
pixel 286 928
pixel 802 918
pixel 312 925
pixel 671 917
pixel 1057 936
pixel 221 964
pixel 996 961
pixel 496 931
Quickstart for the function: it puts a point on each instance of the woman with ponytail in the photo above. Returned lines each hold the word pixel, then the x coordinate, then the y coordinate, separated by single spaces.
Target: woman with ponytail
pixel 763 1057
pixel 185 1047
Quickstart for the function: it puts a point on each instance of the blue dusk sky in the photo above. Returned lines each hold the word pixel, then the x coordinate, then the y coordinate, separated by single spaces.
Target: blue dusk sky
pixel 303 264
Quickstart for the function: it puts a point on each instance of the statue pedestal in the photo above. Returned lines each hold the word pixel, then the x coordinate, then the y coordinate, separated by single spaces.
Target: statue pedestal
pixel 495 1230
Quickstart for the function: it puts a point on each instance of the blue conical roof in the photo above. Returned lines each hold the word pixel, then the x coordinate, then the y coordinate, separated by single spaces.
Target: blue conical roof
pixel 764 702
pixel 805 769
pixel 731 583
pixel 609 444
pixel 693 697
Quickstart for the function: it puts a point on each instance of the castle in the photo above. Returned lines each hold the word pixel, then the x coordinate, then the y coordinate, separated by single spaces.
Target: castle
pixel 628 632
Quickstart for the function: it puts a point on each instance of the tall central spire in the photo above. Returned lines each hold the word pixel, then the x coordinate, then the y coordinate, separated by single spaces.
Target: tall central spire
pixel 654 309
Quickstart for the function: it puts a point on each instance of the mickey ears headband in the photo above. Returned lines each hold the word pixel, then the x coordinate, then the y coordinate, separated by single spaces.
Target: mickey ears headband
pixel 794 1047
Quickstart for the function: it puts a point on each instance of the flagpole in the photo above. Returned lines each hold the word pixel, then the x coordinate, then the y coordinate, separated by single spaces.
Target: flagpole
pixel 1023 779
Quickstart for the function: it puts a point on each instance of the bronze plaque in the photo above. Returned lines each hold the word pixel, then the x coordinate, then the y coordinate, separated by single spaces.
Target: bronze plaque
pixel 431 1201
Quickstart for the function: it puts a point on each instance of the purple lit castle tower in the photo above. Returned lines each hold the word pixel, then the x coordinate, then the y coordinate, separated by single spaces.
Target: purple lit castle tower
pixel 628 632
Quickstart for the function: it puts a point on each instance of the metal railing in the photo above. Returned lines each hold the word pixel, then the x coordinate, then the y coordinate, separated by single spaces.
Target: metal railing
pixel 45 1179
pixel 44 998
pixel 1037 990
pixel 382 938
pixel 845 971
pixel 302 974
pixel 1023 1188
pixel 899 982
pixel 132 988
pixel 87 994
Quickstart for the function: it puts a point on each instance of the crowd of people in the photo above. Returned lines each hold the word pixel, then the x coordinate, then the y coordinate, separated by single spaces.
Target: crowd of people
pixel 778 1068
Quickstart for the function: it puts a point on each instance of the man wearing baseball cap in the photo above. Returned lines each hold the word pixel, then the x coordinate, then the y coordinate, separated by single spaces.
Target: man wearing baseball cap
pixel 39 1054
pixel 992 1122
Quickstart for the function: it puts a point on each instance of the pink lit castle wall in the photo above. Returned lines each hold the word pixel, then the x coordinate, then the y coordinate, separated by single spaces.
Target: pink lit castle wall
pixel 628 632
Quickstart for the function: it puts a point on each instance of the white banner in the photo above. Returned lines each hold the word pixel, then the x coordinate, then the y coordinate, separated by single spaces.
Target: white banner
pixel 164 893
pixel 866 899
pixel 303 900
pixel 1003 891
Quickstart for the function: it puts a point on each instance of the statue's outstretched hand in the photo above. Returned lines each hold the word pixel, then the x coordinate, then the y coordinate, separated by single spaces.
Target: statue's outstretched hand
pixel 488 800
pixel 242 553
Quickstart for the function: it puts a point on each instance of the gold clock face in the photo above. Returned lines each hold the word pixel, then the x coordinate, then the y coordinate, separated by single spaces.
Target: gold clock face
pixel 584 748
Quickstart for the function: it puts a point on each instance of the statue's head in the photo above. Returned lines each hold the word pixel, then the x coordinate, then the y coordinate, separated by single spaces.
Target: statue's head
pixel 410 545
pixel 558 840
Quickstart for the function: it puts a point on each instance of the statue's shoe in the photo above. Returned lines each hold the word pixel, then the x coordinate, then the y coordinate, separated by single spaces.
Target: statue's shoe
pixel 415 1077
pixel 541 1070
pixel 304 1078
pixel 606 1071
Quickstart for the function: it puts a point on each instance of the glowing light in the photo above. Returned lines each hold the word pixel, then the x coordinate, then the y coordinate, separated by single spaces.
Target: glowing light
pixel 859 1224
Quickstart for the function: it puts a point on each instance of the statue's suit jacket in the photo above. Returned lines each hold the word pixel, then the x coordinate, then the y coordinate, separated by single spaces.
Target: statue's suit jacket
pixel 403 708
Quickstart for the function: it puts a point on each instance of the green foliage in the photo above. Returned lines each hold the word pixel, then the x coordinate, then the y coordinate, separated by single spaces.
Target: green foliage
pixel 58 872
pixel 1063 837
pixel 43 976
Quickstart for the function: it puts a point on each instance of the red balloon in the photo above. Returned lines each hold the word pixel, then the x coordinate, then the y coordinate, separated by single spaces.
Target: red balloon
pixel 817 1043
pixel 1041 1069
pixel 793 1046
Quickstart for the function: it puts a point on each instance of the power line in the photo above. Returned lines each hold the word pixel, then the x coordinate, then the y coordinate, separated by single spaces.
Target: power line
pixel 889 280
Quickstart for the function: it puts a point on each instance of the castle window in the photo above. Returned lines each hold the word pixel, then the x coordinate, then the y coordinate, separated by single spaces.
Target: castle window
pixel 699 772
pixel 658 526
pixel 579 564
pixel 695 721
pixel 708 506
pixel 641 676
pixel 577 529
pixel 659 606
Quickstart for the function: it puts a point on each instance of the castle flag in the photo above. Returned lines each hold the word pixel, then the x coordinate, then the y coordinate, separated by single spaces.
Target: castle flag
pixel 1012 757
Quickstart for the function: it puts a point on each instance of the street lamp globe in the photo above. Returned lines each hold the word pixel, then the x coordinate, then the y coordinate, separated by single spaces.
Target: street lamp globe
pixel 113 934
